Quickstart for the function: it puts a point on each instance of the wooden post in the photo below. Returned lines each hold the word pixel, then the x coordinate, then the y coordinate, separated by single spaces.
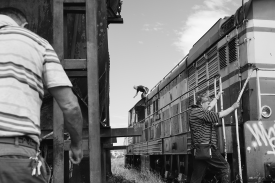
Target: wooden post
pixel 108 162
pixel 103 167
pixel 58 144
pixel 58 121
pixel 93 89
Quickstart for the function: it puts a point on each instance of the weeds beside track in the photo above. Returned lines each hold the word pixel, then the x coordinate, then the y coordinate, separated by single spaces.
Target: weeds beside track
pixel 126 175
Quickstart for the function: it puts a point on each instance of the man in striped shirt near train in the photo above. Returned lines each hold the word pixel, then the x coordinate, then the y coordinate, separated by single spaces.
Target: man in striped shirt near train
pixel 201 120
pixel 28 63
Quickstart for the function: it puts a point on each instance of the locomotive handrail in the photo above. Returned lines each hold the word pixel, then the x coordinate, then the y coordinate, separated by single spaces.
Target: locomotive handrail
pixel 171 117
pixel 264 69
pixel 237 126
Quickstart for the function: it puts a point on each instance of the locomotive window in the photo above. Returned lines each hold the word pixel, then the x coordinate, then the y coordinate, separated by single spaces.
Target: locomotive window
pixel 157 104
pixel 148 110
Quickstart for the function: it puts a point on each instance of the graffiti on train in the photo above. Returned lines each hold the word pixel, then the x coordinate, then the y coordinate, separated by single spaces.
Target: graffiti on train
pixel 263 136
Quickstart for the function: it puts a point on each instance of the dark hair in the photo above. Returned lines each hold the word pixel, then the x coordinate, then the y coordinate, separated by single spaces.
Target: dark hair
pixel 201 98
pixel 14 13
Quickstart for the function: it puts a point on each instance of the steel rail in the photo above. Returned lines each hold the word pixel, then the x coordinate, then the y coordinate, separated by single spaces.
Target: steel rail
pixel 215 94
pixel 237 127
pixel 223 126
pixel 259 94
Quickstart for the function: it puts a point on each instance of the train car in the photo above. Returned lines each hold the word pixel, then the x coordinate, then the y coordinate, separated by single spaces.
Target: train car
pixel 234 48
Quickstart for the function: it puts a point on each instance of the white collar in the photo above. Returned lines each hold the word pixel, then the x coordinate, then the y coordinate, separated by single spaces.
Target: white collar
pixel 6 20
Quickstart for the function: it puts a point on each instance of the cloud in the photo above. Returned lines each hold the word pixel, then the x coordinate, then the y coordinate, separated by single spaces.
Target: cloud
pixel 199 22
pixel 153 27
pixel 140 42
pixel 196 7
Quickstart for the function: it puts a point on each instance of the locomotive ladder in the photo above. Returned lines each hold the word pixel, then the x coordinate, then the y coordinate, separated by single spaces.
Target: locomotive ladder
pixel 216 108
pixel 237 127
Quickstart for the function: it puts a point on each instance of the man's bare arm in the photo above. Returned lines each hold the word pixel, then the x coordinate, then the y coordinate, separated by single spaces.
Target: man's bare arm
pixel 68 103
pixel 229 110
pixel 212 104
pixel 135 94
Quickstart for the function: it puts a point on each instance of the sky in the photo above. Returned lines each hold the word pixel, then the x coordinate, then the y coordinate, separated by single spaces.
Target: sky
pixel 155 36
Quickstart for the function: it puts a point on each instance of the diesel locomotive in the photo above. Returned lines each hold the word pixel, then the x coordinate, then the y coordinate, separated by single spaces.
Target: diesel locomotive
pixel 236 54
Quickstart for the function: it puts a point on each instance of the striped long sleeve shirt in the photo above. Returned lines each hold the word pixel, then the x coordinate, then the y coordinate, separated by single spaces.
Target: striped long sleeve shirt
pixel 200 121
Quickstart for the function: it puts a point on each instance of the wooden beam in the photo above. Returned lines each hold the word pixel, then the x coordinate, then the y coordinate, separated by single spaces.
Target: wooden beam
pixel 114 140
pixel 77 74
pixel 58 31
pixel 108 162
pixel 58 121
pixel 75 9
pixel 76 24
pixel 112 20
pixel 117 132
pixel 108 140
pixel 58 146
pixel 103 165
pixel 92 12
pixel 121 132
pixel 114 147
pixel 74 1
pixel 74 64
pixel 85 145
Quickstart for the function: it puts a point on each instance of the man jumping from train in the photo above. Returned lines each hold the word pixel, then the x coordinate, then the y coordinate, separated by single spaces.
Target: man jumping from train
pixel 142 89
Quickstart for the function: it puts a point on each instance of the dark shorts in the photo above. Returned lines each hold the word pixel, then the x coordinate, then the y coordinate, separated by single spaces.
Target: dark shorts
pixel 15 165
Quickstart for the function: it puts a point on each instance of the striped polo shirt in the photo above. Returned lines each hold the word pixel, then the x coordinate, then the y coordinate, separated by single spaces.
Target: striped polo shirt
pixel 28 63
pixel 200 121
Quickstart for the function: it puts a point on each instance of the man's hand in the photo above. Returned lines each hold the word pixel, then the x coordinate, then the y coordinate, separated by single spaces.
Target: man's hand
pixel 73 121
pixel 236 105
pixel 219 94
pixel 76 154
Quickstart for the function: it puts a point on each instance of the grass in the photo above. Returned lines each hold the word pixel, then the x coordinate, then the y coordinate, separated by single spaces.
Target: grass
pixel 125 175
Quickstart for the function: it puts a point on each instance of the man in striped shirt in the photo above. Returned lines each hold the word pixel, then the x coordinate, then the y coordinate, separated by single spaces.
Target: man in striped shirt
pixel 202 121
pixel 28 63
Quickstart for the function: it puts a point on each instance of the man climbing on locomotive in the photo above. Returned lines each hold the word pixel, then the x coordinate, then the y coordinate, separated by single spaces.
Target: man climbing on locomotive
pixel 202 122
pixel 142 89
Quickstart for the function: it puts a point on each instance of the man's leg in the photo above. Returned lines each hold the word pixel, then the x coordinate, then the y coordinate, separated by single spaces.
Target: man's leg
pixel 143 95
pixel 219 166
pixel 199 167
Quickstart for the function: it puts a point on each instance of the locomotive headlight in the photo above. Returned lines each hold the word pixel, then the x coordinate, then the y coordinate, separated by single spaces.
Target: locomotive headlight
pixel 266 111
